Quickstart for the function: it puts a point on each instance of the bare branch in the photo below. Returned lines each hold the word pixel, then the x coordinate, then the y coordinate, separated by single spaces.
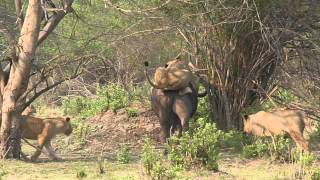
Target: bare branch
pixel 54 21
pixel 20 18
pixel 127 11
pixel 10 38
pixel 37 94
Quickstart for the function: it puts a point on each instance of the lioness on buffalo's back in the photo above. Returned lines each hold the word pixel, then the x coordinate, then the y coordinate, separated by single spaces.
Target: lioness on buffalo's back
pixel 273 123
pixel 44 130
pixel 176 101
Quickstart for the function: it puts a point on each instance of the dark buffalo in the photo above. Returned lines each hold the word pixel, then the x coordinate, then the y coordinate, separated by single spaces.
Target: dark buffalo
pixel 174 107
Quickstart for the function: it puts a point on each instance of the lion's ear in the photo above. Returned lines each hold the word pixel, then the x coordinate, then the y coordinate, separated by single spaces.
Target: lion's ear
pixel 67 119
pixel 246 116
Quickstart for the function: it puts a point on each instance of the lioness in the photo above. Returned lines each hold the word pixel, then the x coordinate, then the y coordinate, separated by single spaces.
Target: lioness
pixel 44 130
pixel 273 123
pixel 175 75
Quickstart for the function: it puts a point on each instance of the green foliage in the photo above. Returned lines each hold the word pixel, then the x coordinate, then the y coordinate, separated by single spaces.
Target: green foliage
pixel 305 160
pixel 132 112
pixel 235 139
pixel 3 172
pixel 257 149
pixel 200 146
pixel 81 174
pixel 316 174
pixel 112 97
pixel 80 133
pixel 202 109
pixel 279 148
pixel 154 163
pixel 124 155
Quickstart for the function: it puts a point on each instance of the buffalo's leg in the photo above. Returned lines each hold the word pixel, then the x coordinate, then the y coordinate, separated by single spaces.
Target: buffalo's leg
pixel 165 127
pixel 182 107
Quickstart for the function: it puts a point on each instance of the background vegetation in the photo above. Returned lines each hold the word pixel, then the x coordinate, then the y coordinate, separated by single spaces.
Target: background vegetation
pixel 253 54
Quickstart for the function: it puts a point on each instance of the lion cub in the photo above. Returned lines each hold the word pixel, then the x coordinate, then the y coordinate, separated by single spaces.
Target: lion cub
pixel 44 130
pixel 273 123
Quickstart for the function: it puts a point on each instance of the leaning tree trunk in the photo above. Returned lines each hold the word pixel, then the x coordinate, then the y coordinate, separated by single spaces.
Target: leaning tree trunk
pixel 18 78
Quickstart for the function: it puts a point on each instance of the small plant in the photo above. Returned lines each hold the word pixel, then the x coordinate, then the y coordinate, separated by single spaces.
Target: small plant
pixel 149 156
pixel 3 172
pixel 80 133
pixel 200 146
pixel 306 159
pixel 256 149
pixel 132 112
pixel 278 147
pixel 124 155
pixel 100 162
pixel 154 163
pixel 315 174
pixel 81 174
pixel 112 97
pixel 235 139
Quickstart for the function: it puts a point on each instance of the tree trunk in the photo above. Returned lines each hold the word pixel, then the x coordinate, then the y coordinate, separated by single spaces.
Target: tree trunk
pixel 18 79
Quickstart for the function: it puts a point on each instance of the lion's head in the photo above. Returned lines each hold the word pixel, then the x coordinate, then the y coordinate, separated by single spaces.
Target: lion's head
pixel 67 127
pixel 247 124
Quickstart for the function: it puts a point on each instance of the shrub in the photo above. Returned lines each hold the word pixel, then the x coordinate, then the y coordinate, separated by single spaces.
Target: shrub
pixel 112 96
pixel 200 146
pixel 235 139
pixel 3 171
pixel 154 163
pixel 124 155
pixel 256 149
pixel 305 160
pixel 81 174
pixel 132 112
pixel 315 174
pixel 279 148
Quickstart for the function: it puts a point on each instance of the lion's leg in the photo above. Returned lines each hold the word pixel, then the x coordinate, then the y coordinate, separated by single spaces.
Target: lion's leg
pixel 299 140
pixel 42 140
pixel 51 152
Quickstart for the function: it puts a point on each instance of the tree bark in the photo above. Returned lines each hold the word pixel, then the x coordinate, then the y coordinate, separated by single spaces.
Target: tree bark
pixel 19 77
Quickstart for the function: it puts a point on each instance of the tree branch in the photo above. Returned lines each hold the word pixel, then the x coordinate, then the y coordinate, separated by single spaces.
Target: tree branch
pixel 20 18
pixel 127 11
pixel 10 38
pixel 37 94
pixel 54 21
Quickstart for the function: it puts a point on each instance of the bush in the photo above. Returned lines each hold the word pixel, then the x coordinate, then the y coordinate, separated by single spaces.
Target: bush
pixel 279 148
pixel 235 139
pixel 81 174
pixel 132 112
pixel 124 155
pixel 3 171
pixel 315 174
pixel 112 97
pixel 154 164
pixel 199 146
pixel 305 160
pixel 256 149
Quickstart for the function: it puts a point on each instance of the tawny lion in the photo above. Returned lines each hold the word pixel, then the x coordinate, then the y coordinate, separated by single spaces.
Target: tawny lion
pixel 277 122
pixel 44 130
pixel 175 75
